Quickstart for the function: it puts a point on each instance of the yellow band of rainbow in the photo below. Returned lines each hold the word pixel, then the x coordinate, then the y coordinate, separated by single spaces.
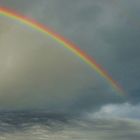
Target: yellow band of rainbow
pixel 67 44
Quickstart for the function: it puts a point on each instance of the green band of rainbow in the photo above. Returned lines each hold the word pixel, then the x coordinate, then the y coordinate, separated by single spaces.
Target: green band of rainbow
pixel 70 46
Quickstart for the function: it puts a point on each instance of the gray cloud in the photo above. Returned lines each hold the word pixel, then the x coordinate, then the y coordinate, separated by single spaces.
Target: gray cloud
pixel 99 129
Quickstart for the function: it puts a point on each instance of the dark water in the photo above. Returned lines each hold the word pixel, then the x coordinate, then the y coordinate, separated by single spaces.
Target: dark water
pixel 34 125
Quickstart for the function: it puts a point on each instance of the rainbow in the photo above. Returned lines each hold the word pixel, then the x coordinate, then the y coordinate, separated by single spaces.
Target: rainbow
pixel 67 44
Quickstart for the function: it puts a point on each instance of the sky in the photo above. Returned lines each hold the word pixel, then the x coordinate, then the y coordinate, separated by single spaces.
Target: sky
pixel 107 30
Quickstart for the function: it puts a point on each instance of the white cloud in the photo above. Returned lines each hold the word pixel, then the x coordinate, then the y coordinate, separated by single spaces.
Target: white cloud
pixel 122 111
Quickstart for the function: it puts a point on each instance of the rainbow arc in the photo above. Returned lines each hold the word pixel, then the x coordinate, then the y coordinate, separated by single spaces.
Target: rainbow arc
pixel 67 44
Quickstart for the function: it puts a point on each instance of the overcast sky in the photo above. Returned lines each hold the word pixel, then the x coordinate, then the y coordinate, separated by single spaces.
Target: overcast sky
pixel 108 30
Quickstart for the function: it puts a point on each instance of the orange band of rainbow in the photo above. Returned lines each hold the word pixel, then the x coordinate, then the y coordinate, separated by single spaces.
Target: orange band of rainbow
pixel 70 46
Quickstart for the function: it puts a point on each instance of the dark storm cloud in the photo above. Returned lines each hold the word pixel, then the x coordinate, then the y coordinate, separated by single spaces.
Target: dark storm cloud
pixel 107 30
